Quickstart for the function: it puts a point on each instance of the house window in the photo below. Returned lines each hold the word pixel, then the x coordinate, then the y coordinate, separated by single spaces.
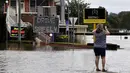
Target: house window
pixel 22 7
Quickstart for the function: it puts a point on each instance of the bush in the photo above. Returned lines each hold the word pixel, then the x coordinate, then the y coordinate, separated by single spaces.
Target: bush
pixel 62 38
pixel 29 35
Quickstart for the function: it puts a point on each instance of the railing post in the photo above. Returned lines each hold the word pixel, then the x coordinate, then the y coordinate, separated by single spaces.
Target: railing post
pixel 18 3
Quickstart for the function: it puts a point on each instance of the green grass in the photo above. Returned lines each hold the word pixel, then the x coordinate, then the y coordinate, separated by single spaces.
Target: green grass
pixel 77 44
pixel 25 44
pixel 66 43
pixel 22 41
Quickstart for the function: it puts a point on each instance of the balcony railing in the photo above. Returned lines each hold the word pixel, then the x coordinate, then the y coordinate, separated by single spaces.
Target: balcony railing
pixel 44 37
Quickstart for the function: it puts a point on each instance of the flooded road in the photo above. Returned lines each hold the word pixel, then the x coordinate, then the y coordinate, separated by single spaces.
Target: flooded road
pixel 46 62
pixel 66 61
pixel 47 59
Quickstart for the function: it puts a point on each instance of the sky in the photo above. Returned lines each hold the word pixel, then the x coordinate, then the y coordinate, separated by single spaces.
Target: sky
pixel 114 6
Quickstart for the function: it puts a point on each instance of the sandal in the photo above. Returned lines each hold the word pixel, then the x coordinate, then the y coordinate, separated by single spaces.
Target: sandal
pixel 104 70
pixel 98 70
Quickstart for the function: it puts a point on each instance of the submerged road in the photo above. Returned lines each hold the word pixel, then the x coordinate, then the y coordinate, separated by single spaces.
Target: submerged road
pixel 46 60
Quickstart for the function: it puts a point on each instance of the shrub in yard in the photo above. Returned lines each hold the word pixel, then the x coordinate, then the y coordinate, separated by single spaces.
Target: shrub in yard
pixel 29 35
pixel 62 38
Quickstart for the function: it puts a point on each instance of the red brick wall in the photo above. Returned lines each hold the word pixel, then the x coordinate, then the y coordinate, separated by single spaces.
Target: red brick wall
pixel 27 3
pixel 28 18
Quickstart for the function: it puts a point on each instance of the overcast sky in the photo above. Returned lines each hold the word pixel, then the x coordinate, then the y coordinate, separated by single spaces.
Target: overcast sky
pixel 111 5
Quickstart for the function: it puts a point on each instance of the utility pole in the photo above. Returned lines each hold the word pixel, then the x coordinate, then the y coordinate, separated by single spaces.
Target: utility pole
pixel 18 5
pixel 68 22
pixel 7 3
pixel 35 5
pixel 78 12
pixel 62 2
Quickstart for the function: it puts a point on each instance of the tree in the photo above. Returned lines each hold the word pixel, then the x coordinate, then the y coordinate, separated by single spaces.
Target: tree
pixel 29 35
pixel 75 7
pixel 120 20
pixel 114 20
pixel 125 19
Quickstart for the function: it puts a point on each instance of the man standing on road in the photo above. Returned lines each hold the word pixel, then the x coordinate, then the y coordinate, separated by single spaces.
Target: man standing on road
pixel 100 45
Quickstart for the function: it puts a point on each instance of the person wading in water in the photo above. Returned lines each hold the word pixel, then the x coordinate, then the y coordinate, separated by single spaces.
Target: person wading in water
pixel 100 45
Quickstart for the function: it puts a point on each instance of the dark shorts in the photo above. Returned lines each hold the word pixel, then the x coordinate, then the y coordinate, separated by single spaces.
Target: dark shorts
pixel 100 51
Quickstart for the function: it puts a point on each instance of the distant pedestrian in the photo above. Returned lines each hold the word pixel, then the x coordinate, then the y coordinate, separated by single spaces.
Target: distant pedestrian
pixel 100 45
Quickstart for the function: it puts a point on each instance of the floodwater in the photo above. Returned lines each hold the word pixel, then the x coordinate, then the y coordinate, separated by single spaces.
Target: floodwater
pixel 47 59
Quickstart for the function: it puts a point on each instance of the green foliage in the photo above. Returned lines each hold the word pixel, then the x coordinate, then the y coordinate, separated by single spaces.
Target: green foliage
pixel 29 33
pixel 75 7
pixel 125 20
pixel 90 27
pixel 27 47
pixel 113 20
pixel 62 38
pixel 121 20
pixel 2 46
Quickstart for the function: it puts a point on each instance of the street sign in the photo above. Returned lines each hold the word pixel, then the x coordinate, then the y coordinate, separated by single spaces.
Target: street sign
pixel 46 25
pixel 14 32
pixel 95 15
pixel 73 20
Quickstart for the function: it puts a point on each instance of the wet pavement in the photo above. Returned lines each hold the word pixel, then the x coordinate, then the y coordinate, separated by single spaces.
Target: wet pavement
pixel 46 60
pixel 120 61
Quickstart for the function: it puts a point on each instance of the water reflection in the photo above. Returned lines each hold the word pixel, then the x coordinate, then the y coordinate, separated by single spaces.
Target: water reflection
pixel 44 48
pixel 58 59
pixel 2 46
pixel 3 62
pixel 53 48
pixel 31 47
pixel 22 46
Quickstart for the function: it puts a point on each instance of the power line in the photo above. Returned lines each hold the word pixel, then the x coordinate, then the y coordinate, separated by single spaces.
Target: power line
pixel 42 2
